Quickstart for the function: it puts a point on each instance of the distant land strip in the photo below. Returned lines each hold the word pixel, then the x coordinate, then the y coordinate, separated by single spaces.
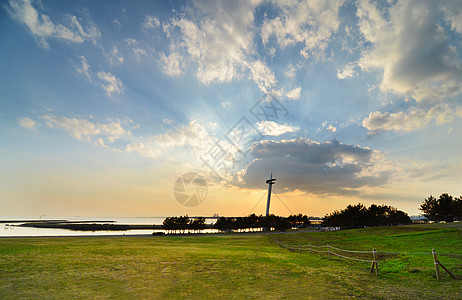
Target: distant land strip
pixel 51 221
pixel 97 227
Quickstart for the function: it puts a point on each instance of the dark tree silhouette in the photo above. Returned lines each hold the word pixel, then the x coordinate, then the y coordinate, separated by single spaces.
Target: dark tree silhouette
pixel 197 224
pixel 174 224
pixel 254 222
pixel 299 221
pixel 445 208
pixel 357 216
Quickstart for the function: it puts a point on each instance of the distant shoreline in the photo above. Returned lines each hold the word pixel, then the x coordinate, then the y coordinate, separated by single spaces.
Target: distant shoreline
pixel 164 235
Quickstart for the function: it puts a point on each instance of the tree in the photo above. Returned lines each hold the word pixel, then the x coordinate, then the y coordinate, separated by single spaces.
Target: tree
pixel 223 224
pixel 197 224
pixel 445 208
pixel 172 224
pixel 357 216
pixel 458 208
pixel 298 221
pixel 429 207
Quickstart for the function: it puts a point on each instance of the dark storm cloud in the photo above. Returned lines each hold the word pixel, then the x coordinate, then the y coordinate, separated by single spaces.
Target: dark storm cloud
pixel 320 168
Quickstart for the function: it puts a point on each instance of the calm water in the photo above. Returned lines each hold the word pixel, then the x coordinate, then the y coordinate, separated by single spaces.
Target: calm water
pixel 7 230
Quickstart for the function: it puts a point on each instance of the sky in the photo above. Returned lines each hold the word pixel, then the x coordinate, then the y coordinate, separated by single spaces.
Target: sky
pixel 124 108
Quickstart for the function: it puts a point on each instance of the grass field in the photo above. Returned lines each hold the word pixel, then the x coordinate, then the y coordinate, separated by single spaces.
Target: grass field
pixel 233 266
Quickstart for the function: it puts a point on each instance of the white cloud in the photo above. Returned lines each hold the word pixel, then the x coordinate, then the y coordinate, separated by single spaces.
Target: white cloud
pixel 274 129
pixel 294 94
pixel 114 57
pixel 113 130
pixel 331 128
pixel 220 47
pixel 212 125
pixel 138 51
pixel 291 72
pixel 43 28
pixel 84 130
pixel 84 68
pixel 319 168
pixel 111 84
pixel 131 42
pixel 348 71
pixel 117 22
pixel 310 23
pixel 28 123
pixel 412 48
pixel 167 121
pixel 192 134
pixel 453 14
pixel 171 64
pixel 413 119
pixel 80 129
pixel 150 22
pixel 226 104
pixel 142 149
pixel 100 142
pixel 263 76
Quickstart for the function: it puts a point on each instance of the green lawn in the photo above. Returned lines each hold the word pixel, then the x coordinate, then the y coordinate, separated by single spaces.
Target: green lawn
pixel 233 266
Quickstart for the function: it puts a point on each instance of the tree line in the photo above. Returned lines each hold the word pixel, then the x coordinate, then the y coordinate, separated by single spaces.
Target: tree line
pixel 252 222
pixel 446 208
pixel 358 216
pixel 183 223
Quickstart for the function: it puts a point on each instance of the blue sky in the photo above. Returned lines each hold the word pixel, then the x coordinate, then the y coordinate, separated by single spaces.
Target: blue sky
pixel 105 104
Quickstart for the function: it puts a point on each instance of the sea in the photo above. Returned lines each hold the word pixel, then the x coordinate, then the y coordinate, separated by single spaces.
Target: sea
pixel 10 229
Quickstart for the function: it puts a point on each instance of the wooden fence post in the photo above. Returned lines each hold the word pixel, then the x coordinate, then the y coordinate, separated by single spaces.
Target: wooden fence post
pixel 328 250
pixel 375 263
pixel 299 250
pixel 309 248
pixel 438 264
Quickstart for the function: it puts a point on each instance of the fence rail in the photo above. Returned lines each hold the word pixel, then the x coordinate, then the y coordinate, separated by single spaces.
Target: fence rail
pixel 373 254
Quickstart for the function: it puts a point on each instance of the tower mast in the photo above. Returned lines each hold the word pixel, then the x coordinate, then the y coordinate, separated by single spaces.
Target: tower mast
pixel 270 182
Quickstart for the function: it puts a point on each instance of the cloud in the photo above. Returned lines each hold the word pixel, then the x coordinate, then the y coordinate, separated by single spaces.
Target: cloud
pixel 291 71
pixel 28 123
pixel 219 47
pixel 348 71
pixel 309 23
pixel 413 119
pixel 111 84
pixel 411 45
pixel 84 130
pixel 138 52
pixel 142 149
pixel 263 76
pixel 84 68
pixel 171 64
pixel 226 104
pixel 114 57
pixel 150 22
pixel 100 142
pixel 43 28
pixel 294 94
pixel 453 15
pixel 218 39
pixel 192 134
pixel 274 129
pixel 319 168
pixel 331 128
